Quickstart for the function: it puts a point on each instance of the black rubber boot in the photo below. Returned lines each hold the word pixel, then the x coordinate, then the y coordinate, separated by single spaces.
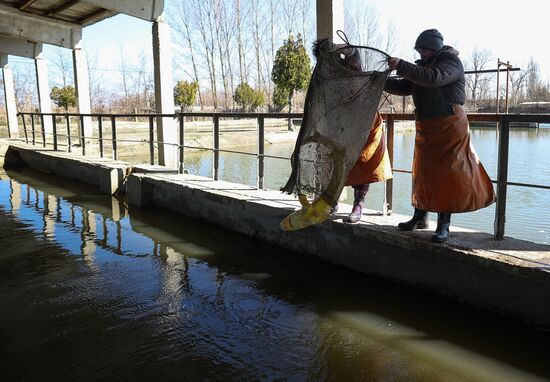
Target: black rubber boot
pixel 442 231
pixel 359 193
pixel 418 221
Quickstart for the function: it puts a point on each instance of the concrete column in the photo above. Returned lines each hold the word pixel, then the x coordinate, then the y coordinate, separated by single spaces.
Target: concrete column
pixel 82 86
pixel 9 97
pixel 330 18
pixel 50 215
pixel 88 243
pixel 164 93
pixel 43 85
pixel 15 196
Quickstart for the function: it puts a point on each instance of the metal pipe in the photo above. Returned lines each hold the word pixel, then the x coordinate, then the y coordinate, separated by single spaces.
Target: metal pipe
pixel 502 177
pixel 100 135
pixel 151 140
pixel 68 120
pixel 54 129
pixel 24 128
pixel 180 147
pixel 33 131
pixel 113 136
pixel 389 182
pixel 82 137
pixel 261 151
pixel 216 153
pixel 43 130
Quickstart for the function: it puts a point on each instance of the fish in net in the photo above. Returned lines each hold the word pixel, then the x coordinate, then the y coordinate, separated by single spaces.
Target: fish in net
pixel 340 106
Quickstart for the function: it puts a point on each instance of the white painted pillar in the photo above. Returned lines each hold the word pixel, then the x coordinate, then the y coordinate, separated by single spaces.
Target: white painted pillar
pixel 82 86
pixel 330 18
pixel 15 197
pixel 43 85
pixel 164 93
pixel 88 244
pixel 50 215
pixel 9 97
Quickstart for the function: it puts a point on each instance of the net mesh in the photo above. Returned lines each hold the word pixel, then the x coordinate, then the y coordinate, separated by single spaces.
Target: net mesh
pixel 340 106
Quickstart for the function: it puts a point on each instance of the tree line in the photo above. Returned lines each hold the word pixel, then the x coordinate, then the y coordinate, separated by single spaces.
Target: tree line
pixel 232 55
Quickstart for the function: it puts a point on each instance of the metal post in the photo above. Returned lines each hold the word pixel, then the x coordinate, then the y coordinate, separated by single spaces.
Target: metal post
pixel 54 131
pixel 113 135
pixel 82 135
pixel 32 131
pixel 389 182
pixel 508 66
pixel 502 177
pixel 43 130
pixel 261 151
pixel 69 143
pixel 498 85
pixel 216 153
pixel 151 140
pixel 180 147
pixel 100 135
pixel 24 128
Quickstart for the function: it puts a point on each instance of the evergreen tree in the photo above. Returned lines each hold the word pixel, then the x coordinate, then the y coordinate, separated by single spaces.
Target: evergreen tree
pixel 185 93
pixel 64 97
pixel 291 69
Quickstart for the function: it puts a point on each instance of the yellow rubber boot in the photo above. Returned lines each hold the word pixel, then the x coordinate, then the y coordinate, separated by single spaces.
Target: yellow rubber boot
pixel 309 215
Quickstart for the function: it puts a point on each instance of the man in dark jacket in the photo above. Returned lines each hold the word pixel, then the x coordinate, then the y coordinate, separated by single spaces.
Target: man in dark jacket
pixel 447 174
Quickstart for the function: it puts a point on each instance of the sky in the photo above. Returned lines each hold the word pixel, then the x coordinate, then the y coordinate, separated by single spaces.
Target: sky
pixel 513 33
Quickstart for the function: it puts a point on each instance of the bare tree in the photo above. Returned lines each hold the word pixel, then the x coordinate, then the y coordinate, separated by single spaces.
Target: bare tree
pixel 518 81
pixel 257 33
pixel 221 22
pixel 62 66
pixel 24 81
pixel 124 71
pixel 205 23
pixel 478 83
pixel 290 15
pixel 181 25
pixel 536 90
pixel 363 25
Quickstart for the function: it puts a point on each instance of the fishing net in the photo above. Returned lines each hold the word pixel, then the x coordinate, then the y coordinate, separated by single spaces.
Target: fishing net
pixel 340 106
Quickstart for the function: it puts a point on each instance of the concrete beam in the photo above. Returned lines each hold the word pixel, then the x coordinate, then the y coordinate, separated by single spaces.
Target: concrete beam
pixel 9 96
pixel 21 48
pixel 24 26
pixel 164 94
pixel 148 10
pixel 330 18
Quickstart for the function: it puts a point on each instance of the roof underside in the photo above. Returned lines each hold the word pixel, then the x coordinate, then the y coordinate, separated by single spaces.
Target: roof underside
pixel 70 11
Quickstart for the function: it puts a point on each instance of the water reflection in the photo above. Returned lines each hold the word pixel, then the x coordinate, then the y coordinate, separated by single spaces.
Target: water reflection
pixel 92 290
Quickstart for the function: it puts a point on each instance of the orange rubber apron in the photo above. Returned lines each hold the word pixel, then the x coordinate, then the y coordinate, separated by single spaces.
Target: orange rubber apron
pixel 447 175
pixel 373 165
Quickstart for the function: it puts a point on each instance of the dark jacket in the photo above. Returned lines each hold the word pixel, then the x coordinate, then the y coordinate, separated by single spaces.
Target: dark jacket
pixel 435 86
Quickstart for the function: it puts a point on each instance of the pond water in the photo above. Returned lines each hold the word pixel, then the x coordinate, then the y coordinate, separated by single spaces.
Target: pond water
pixel 92 290
pixel 527 209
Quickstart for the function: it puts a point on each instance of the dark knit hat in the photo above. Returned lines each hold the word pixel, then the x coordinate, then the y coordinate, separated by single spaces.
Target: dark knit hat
pixel 429 39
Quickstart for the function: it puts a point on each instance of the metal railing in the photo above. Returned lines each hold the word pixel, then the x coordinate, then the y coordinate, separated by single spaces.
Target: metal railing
pixel 502 122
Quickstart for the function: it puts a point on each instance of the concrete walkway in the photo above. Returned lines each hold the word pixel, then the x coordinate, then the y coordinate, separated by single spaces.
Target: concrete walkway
pixel 511 276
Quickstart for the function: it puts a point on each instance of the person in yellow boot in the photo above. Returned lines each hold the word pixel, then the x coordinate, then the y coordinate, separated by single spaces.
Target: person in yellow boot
pixel 373 165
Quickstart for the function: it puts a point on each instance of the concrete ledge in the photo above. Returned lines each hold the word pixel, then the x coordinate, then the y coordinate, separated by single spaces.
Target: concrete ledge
pixel 511 277
pixel 106 174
